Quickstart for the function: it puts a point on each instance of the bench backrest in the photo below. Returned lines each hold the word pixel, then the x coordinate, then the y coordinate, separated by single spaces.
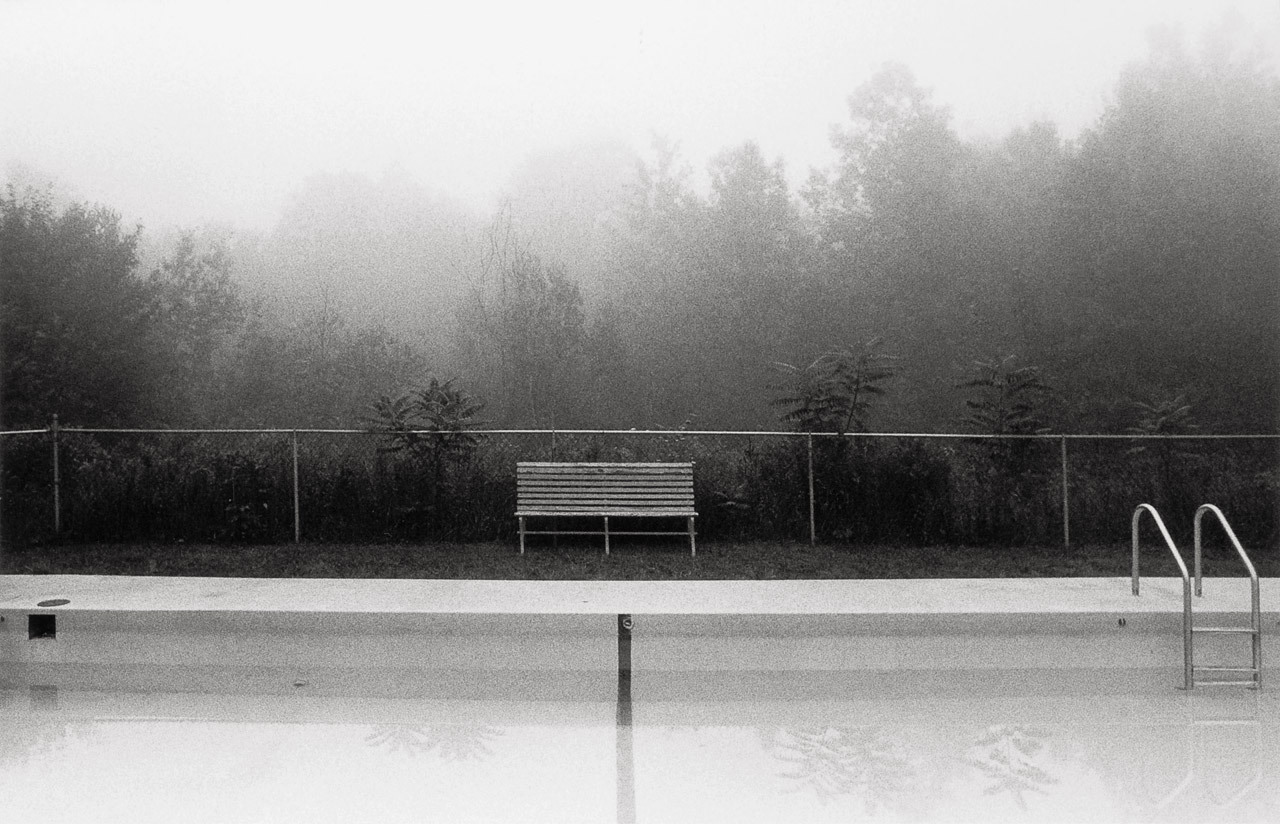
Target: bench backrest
pixel 605 488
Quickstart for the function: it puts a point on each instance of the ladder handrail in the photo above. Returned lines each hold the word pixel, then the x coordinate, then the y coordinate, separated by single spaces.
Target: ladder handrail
pixel 1255 596
pixel 1164 533
pixel 1187 671
pixel 1235 542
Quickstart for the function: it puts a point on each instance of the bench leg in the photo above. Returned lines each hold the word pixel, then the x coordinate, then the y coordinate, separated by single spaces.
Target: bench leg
pixel 606 534
pixel 693 548
pixel 521 534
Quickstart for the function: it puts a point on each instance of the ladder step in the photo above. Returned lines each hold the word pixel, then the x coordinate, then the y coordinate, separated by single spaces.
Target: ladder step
pixel 1224 669
pixel 1249 630
pixel 1226 683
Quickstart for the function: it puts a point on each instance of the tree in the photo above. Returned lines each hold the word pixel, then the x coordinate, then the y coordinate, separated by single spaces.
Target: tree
pixel 834 392
pixel 711 284
pixel 807 395
pixel 198 308
pixel 522 332
pixel 752 260
pixel 657 234
pixel 1008 401
pixel 430 426
pixel 894 244
pixel 566 202
pixel 385 251
pixel 317 370
pixel 1159 459
pixel 1171 236
pixel 892 184
pixel 78 322
pixel 655 251
pixel 1011 193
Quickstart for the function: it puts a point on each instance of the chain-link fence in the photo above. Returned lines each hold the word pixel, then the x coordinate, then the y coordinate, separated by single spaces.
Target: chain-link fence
pixel 357 486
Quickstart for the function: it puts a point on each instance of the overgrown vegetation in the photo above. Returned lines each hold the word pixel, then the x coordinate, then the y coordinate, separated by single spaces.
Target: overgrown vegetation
pixel 869 490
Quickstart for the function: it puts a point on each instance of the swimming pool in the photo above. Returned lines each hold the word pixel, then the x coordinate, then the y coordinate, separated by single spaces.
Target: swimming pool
pixel 250 700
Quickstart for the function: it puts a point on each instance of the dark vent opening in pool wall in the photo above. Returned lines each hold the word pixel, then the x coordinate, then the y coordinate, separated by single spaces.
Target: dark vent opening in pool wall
pixel 42 626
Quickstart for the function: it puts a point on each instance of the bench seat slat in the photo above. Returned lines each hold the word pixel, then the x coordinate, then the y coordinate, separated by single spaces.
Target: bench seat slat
pixel 597 499
pixel 605 507
pixel 613 473
pixel 596 490
pixel 676 471
pixel 604 488
pixel 612 513
pixel 597 507
pixel 602 466
pixel 607 490
pixel 622 480
pixel 640 477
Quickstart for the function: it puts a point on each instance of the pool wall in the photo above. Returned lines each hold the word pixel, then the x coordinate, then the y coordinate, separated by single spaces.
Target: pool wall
pixel 531 639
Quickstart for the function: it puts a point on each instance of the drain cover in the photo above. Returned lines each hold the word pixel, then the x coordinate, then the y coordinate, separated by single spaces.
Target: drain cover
pixel 54 602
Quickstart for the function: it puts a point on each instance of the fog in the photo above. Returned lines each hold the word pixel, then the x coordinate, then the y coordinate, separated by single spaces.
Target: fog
pixel 194 112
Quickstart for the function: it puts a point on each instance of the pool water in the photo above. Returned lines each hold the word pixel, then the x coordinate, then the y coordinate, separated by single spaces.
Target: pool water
pixel 310 749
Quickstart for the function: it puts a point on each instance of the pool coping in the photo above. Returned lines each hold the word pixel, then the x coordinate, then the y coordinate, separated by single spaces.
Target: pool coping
pixel 939 596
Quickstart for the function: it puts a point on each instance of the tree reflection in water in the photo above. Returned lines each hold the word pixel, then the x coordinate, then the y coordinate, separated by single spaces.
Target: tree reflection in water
pixel 1006 754
pixel 27 739
pixel 37 731
pixel 837 761
pixel 452 742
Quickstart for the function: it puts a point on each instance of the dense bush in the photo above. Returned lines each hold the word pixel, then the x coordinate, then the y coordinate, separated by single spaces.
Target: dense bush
pixel 868 490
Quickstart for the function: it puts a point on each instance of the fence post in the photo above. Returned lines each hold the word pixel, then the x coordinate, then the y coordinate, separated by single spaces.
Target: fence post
pixel 57 481
pixel 297 515
pixel 813 531
pixel 1066 504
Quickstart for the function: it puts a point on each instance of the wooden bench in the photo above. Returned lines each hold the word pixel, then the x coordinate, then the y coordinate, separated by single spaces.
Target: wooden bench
pixel 606 490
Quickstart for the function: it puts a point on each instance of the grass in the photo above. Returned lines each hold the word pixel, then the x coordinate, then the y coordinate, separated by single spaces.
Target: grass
pixel 629 561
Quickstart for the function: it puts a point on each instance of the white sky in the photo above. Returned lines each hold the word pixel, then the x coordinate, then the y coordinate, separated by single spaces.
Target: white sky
pixel 190 112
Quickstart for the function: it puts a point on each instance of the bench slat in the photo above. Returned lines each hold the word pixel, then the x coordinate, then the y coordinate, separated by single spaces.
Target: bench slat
pixel 634 477
pixel 607 496
pixel 604 479
pixel 610 511
pixel 602 466
pixel 593 494
pixel 589 486
pixel 634 473
pixel 596 506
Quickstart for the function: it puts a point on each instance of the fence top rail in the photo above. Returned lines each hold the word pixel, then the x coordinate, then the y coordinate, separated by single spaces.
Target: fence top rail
pixel 651 432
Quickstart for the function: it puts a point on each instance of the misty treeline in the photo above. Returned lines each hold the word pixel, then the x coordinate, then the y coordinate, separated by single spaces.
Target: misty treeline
pixel 1128 279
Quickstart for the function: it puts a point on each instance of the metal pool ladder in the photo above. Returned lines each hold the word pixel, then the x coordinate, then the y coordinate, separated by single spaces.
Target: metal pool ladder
pixel 1188 628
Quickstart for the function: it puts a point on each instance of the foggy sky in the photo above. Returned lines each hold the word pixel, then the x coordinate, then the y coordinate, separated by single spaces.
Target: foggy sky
pixel 193 112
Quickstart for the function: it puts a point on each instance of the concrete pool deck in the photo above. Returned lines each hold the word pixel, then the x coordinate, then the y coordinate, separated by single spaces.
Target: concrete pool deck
pixel 939 597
